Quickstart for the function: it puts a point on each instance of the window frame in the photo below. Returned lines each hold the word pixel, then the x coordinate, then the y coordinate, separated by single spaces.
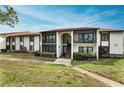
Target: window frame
pixel 49 48
pixel 7 39
pixel 31 38
pixel 21 39
pixel 85 37
pixel 104 36
pixel 13 39
pixel 13 47
pixel 31 49
pixel 21 47
pixel 85 49
pixel 49 38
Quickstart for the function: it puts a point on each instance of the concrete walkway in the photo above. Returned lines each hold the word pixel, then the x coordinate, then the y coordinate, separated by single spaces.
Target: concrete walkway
pixel 100 78
pixel 63 61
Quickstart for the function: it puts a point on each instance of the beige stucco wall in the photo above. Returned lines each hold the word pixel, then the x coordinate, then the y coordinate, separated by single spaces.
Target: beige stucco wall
pixel 2 43
pixel 17 43
pixel 36 43
pixel 116 42
pixel 26 42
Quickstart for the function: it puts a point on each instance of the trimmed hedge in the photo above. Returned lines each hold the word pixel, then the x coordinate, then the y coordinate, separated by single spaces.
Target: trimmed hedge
pixel 44 54
pixel 36 53
pixel 18 51
pixel 47 54
pixel 3 50
pixel 83 56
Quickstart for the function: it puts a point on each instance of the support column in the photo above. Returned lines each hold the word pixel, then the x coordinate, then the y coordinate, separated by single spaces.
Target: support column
pixel 10 43
pixel 40 48
pixel 71 44
pixel 97 44
pixel 57 44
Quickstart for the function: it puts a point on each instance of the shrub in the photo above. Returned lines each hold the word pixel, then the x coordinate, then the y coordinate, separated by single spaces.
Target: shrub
pixel 18 51
pixel 47 54
pixel 36 53
pixel 24 49
pixel 83 56
pixel 3 50
pixel 116 56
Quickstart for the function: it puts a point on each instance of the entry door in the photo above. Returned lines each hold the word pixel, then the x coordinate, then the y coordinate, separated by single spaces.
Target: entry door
pixel 67 51
pixel 104 51
pixel 64 49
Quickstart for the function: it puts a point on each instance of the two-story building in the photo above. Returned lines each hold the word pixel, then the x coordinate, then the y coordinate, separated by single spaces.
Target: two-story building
pixel 65 42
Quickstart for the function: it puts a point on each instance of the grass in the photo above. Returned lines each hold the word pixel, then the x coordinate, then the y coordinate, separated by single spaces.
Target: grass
pixel 25 56
pixel 110 68
pixel 26 74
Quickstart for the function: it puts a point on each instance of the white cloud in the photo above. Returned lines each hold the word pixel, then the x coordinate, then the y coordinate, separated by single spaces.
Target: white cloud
pixel 62 18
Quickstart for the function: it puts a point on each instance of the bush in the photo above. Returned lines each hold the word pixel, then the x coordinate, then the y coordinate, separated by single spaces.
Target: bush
pixel 3 50
pixel 116 56
pixel 18 51
pixel 47 54
pixel 44 54
pixel 24 49
pixel 83 56
pixel 36 53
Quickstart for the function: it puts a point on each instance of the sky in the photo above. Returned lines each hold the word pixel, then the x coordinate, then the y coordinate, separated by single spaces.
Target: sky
pixel 46 17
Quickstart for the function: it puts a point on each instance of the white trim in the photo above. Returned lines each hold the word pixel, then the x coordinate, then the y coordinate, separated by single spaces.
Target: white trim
pixel 97 44
pixel 72 44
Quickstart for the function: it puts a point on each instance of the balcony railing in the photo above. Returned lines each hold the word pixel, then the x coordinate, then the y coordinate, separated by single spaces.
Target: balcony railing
pixel 84 41
pixel 49 41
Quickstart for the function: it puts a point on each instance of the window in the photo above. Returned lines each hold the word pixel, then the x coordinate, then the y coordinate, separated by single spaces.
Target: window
pixel 48 48
pixel 86 37
pixel 49 38
pixel 31 47
pixel 8 47
pixel 21 47
pixel 7 39
pixel 66 39
pixel 86 49
pixel 13 47
pixel 104 36
pixel 81 49
pixel 13 39
pixel 31 38
pixel 21 39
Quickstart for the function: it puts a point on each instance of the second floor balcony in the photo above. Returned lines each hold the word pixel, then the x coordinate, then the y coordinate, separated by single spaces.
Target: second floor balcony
pixel 85 41
pixel 49 41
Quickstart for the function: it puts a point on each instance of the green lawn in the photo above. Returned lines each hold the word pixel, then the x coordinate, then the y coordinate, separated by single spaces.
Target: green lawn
pixel 110 68
pixel 25 56
pixel 16 73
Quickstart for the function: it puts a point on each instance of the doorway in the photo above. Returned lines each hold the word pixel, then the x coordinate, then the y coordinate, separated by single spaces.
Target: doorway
pixel 66 45
pixel 103 51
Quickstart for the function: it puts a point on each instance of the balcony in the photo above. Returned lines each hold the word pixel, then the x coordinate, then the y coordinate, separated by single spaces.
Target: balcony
pixel 49 41
pixel 84 41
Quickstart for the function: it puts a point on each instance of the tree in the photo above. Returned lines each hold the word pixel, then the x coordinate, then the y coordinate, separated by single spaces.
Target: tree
pixel 8 16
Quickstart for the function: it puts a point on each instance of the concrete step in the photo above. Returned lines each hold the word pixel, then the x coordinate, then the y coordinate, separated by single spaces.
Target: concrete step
pixel 64 61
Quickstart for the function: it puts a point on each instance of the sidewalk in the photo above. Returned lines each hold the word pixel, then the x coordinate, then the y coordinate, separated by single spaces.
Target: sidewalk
pixel 100 78
pixel 63 61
